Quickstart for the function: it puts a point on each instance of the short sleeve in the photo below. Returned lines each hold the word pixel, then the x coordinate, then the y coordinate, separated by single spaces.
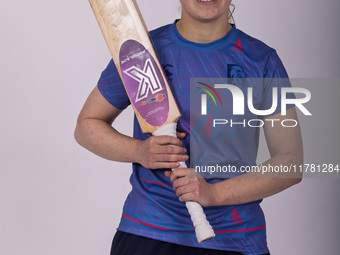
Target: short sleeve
pixel 275 76
pixel 111 87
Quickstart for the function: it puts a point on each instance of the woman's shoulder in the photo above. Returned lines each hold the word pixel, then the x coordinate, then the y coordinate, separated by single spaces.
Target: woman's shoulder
pixel 160 33
pixel 253 46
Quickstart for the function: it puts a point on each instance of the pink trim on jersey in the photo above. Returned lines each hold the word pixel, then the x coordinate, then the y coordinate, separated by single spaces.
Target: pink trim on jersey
pixel 150 225
pixel 160 183
pixel 239 230
pixel 238 45
pixel 216 231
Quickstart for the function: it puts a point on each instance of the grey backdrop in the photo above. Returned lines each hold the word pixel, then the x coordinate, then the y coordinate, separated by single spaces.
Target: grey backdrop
pixel 56 198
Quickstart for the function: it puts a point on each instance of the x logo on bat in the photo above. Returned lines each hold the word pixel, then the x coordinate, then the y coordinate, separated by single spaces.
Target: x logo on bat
pixel 147 79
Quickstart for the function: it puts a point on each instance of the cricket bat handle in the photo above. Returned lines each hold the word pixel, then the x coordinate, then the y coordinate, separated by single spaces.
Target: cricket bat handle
pixel 203 229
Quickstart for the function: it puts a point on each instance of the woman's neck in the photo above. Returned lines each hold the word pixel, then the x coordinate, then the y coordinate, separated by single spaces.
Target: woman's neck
pixel 202 32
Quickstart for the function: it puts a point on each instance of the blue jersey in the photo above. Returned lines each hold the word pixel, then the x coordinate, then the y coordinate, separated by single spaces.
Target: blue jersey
pixel 152 208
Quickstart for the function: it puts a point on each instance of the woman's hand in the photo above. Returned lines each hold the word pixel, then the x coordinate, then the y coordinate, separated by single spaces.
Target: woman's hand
pixel 161 152
pixel 191 186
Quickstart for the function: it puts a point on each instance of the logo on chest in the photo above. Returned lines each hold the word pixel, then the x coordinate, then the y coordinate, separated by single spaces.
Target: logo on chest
pixel 237 74
pixel 168 71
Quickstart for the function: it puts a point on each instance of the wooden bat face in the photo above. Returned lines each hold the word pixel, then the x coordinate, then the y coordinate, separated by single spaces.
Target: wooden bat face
pixel 132 52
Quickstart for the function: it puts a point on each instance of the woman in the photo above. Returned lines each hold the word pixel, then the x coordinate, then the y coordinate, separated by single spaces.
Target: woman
pixel 202 44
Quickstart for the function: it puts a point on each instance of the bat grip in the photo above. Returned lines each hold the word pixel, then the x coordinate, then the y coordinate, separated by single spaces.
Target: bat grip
pixel 203 229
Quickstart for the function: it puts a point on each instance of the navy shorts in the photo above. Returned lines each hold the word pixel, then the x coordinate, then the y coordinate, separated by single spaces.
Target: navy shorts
pixel 129 244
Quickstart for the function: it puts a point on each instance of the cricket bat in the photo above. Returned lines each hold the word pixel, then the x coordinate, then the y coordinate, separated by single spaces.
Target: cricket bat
pixel 129 43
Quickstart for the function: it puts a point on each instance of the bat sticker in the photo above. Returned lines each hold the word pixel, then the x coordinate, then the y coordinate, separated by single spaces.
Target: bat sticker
pixel 144 82
pixel 158 98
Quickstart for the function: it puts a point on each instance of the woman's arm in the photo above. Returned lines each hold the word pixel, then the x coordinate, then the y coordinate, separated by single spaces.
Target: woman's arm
pixel 285 147
pixel 95 133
